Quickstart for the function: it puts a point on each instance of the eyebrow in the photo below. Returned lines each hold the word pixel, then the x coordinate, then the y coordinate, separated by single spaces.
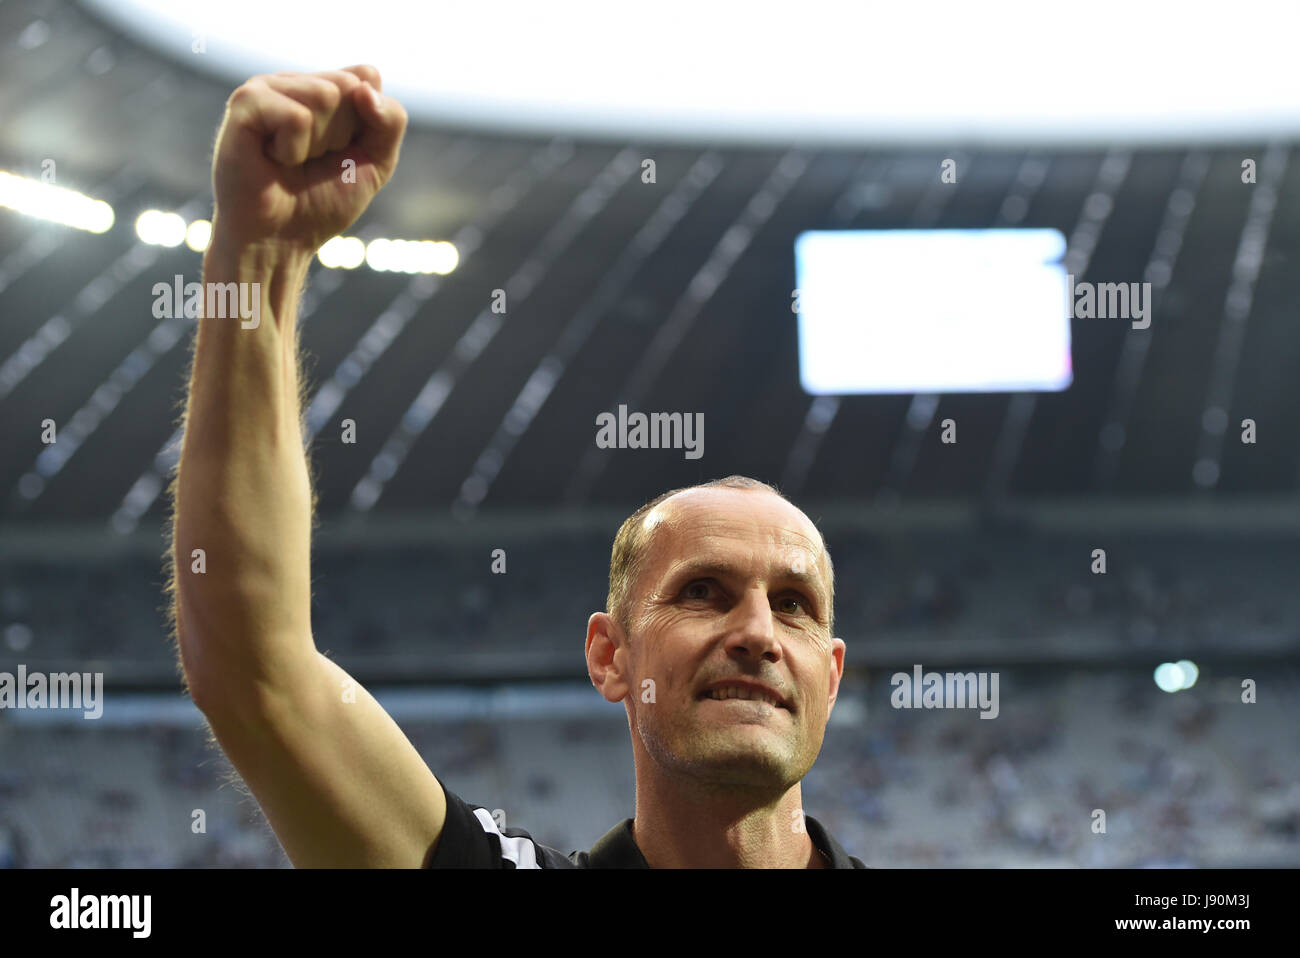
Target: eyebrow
pixel 699 568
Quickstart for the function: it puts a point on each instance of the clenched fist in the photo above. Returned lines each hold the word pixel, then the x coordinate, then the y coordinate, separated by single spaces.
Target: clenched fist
pixel 281 175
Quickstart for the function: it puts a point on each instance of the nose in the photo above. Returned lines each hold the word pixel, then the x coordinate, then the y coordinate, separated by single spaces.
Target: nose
pixel 752 631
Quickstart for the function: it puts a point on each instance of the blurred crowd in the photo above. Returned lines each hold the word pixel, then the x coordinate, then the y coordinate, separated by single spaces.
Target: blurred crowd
pixel 1087 763
pixel 1194 778
pixel 427 605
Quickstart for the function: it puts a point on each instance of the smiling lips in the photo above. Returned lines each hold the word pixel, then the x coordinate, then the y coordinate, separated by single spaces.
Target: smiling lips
pixel 747 691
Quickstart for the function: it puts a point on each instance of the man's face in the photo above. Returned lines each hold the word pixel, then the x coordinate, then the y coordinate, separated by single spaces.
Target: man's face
pixel 735 588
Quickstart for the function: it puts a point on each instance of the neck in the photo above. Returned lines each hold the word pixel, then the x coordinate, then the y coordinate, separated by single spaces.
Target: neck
pixel 700 825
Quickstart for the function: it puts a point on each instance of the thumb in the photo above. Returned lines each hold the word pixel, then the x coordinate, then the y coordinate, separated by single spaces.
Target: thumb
pixel 383 126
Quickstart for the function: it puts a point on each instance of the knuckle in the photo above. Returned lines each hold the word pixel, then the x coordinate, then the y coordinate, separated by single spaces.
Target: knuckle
pixel 246 91
pixel 328 93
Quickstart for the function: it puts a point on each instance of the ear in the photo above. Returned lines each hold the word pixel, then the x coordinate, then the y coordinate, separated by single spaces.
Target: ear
pixel 607 656
pixel 838 647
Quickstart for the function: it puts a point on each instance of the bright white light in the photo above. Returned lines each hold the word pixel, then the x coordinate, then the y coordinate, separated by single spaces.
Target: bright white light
pixel 1170 677
pixel 351 252
pixel 425 256
pixel 444 258
pixel 931 311
pixel 378 255
pixel 413 256
pixel 430 256
pixel 1007 70
pixel 54 203
pixel 395 255
pixel 198 235
pixel 160 229
pixel 402 256
pixel 342 252
pixel 1190 672
pixel 328 254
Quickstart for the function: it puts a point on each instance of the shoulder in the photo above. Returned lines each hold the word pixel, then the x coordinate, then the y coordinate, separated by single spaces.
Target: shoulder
pixel 474 836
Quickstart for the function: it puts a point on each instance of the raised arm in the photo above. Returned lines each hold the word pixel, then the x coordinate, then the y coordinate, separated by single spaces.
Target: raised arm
pixel 338 781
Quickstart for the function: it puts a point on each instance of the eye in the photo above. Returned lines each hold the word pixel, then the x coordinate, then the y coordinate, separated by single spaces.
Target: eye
pixel 795 600
pixel 693 589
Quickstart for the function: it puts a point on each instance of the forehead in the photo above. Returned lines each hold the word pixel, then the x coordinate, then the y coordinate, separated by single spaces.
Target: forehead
pixel 742 525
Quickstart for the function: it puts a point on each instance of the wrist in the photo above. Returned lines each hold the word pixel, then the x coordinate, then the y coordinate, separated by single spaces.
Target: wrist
pixel 277 270
pixel 254 259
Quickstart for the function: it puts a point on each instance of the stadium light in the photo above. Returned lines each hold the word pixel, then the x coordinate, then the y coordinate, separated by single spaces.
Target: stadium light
pixel 198 235
pixel 404 256
pixel 1176 676
pixel 160 228
pixel 342 252
pixel 54 203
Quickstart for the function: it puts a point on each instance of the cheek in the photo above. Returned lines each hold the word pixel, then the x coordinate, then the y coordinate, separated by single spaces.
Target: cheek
pixel 819 648
pixel 655 656
pixel 657 619
pixel 813 679
pixel 667 639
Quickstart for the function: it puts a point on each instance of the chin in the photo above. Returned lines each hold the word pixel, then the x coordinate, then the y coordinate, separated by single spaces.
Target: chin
pixel 742 764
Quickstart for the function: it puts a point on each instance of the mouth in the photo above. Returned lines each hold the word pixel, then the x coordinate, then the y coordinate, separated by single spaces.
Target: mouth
pixel 743 693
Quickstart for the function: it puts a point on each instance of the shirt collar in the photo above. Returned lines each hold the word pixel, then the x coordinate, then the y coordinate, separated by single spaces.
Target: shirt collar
pixel 618 847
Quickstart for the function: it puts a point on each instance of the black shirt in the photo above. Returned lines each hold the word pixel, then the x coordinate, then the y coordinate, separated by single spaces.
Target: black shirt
pixel 471 839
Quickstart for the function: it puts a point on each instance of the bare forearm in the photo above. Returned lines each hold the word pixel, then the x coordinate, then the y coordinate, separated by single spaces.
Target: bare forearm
pixel 243 493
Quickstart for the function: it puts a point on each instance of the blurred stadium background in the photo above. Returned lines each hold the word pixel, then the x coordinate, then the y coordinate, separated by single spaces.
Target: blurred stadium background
pixel 474 431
